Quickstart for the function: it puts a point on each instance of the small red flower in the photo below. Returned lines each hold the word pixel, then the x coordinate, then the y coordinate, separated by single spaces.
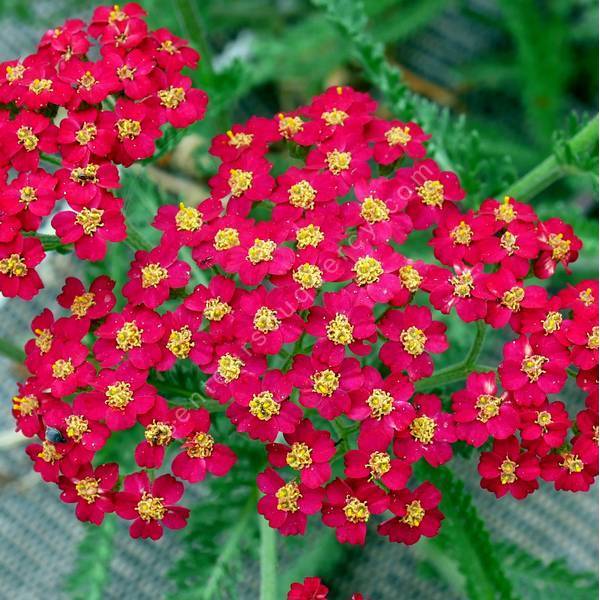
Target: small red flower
pixel 568 471
pixel 310 589
pixel 94 303
pixel 395 139
pixel 544 427
pixel 558 245
pixel 18 276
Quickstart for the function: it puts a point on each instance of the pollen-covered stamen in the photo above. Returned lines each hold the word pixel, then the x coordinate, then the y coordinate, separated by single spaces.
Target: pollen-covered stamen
pixel 288 496
pixel 488 406
pixel 338 161
pixel 172 97
pixel 587 297
pixel 289 126
pixel 413 339
pixel 381 403
pixel 215 309
pixel 27 138
pixel 116 14
pixel 25 405
pixel 263 406
pixel 61 369
pixel 239 181
pixel 308 276
pixel 27 195
pixel 302 195
pixel 311 235
pixel 299 456
pixel 463 284
pixel 118 395
pixel 151 508
pixel 592 339
pixel 81 304
pixel 261 251
pixel 13 266
pixel 414 514
pixel 169 47
pixel 43 340
pixel 356 511
pixel 90 219
pixel 77 426
pixel 543 419
pixel 339 330
pixel 572 462
pixel 265 320
pixel 188 218
pixel 367 270
pixel 180 342
pixel 158 433
pixel 508 241
pixel 15 73
pixel 423 429
pixel 379 464
pixel 512 298
pixel 373 210
pixel 125 72
pixel 128 129
pixel 506 211
pixel 431 193
pixel 226 239
pixel 153 274
pixel 239 140
pixel 88 488
pixel 129 336
pixel 86 134
pixel 230 367
pixel 398 136
pixel 552 322
pixel 410 278
pixel 462 234
pixel 38 86
pixel 87 81
pixel 325 382
pixel 533 365
pixel 49 453
pixel 334 116
pixel 560 246
pixel 200 445
pixel 85 175
pixel 507 471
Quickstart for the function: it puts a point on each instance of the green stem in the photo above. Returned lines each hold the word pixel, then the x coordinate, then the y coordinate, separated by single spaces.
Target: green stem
pixel 135 240
pixel 11 351
pixel 53 160
pixel 51 243
pixel 551 169
pixel 268 561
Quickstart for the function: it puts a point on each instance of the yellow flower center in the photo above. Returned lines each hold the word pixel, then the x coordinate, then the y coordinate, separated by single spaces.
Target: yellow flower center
pixel 265 320
pixel 158 433
pixel 290 126
pixel 13 266
pixel 261 251
pixel 27 138
pixel 367 270
pixel 488 407
pixel 239 140
pixel 339 330
pixel 334 117
pixel 86 134
pixel 543 419
pixel 302 195
pixel 398 136
pixel 508 241
pixel 356 511
pixel 311 235
pixel 413 340
pixel 37 86
pixel 200 446
pixel 414 514
pixel 512 298
pixel 169 47
pixel 153 274
pixel 76 427
pixel 88 489
pixel 129 336
pixel 587 297
pixel 226 238
pixel 462 284
pixel 560 246
pixel 374 210
pixel 43 340
pixel 87 81
pixel 572 462
pixel 49 453
pixel 379 465
pixel 239 181
pixel 83 175
pixel 125 72
pixel 90 219
pixel 288 496
pixel 118 395
pixel 230 367
pixel 61 369
pixel 27 195
pixel 128 129
pixel 552 322
pixel 592 338
pixel 25 405
pixel 506 211
pixel 507 471
pixel 431 193
pixel 180 342
pixel 188 218
pixel 151 508
pixel 338 161
pixel 462 234
pixel 14 73
pixel 215 309
pixel 423 429
pixel 410 278
pixel 381 403
pixel 308 276
pixel 299 456
pixel 325 382
pixel 263 406
pixel 172 97
pixel 533 365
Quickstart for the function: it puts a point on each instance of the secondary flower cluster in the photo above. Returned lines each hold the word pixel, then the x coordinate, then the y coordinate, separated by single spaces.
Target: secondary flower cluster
pixel 312 588
pixel 92 97
pixel 315 335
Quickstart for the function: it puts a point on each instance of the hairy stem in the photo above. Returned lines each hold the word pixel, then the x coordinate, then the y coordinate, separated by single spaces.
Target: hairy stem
pixel 268 561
